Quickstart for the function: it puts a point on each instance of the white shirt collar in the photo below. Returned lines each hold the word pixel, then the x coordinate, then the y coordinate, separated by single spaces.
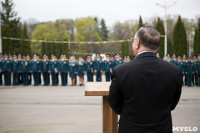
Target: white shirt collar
pixel 145 52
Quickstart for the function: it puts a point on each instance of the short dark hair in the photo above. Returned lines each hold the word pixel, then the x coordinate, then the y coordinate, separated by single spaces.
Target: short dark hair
pixel 149 37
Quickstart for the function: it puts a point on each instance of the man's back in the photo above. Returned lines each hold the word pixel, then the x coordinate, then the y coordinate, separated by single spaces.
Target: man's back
pixel 143 92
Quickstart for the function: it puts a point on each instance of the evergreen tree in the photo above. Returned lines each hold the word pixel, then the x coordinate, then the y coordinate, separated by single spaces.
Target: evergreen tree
pixel 179 38
pixel 198 36
pixel 124 49
pixel 169 46
pixel 196 47
pixel 103 30
pixel 160 27
pixel 96 20
pixel 140 22
pixel 10 27
pixel 25 46
pixel 197 40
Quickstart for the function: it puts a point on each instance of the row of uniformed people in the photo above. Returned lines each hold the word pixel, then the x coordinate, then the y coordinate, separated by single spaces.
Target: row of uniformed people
pixel 23 68
pixel 190 68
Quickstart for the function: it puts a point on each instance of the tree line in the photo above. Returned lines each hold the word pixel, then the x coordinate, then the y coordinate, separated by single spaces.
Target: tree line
pixel 183 34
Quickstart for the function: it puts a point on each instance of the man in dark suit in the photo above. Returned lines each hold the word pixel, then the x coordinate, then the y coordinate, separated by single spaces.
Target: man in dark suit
pixel 145 91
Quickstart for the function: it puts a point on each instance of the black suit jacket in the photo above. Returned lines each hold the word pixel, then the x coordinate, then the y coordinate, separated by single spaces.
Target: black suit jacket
pixel 143 92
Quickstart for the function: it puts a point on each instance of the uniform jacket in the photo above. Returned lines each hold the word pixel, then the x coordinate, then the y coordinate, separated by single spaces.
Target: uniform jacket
pixel 108 66
pixel 174 61
pixel 81 66
pixel 190 67
pixel 195 65
pixel 1 60
pixel 143 92
pixel 24 66
pixel 63 66
pixel 72 66
pixel 198 66
pixel 117 62
pixel 35 66
pixel 53 66
pixel 184 65
pixel 6 65
pixel 44 66
pixel 88 65
pixel 98 65
pixel 15 66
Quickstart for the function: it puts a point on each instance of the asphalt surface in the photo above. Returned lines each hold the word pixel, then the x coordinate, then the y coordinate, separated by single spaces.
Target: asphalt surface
pixel 61 109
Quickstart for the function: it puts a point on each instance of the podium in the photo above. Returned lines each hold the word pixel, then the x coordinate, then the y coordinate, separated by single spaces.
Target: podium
pixel 110 118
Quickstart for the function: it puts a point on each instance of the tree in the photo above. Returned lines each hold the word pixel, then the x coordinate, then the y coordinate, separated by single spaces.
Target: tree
pixel 70 25
pixel 46 31
pixel 140 22
pixel 179 38
pixel 169 46
pixel 63 36
pixel 123 30
pixel 31 25
pixel 10 27
pixel 197 40
pixel 124 49
pixel 103 30
pixel 25 47
pixel 86 30
pixel 160 27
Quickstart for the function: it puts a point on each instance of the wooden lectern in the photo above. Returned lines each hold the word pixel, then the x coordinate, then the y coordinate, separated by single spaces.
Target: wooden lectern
pixel 110 118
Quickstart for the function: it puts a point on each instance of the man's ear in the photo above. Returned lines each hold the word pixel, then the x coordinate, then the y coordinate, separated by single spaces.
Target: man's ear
pixel 137 44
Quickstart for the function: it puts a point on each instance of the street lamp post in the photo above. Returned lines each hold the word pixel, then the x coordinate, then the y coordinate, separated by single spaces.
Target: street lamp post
pixel 165 21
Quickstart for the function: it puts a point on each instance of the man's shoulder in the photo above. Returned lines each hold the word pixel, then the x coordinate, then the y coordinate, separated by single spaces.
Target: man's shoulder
pixel 138 64
pixel 124 66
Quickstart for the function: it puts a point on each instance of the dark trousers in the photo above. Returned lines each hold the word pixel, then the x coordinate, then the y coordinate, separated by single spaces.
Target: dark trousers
pixel 36 78
pixel 29 78
pixel 46 78
pixel 7 78
pixel 186 79
pixel 189 79
pixel 92 77
pixel 25 78
pixel 108 75
pixel 0 78
pixel 40 78
pixel 197 79
pixel 63 78
pixel 89 77
pixel 20 78
pixel 98 76
pixel 54 78
pixel 75 79
pixel 15 78
pixel 182 78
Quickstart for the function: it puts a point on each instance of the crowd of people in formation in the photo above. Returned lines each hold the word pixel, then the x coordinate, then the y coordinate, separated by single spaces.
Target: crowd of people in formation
pixel 18 69
pixel 189 68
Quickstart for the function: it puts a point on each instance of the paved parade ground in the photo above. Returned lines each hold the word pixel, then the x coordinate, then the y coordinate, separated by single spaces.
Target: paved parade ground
pixel 61 109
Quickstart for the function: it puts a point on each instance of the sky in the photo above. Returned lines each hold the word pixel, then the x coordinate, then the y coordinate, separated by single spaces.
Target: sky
pixel 111 10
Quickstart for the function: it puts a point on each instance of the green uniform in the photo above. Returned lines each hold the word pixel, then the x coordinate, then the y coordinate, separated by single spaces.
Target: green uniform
pixel 15 69
pixel 35 69
pixel 24 69
pixel 63 68
pixel 44 70
pixel 6 68
pixel 189 70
